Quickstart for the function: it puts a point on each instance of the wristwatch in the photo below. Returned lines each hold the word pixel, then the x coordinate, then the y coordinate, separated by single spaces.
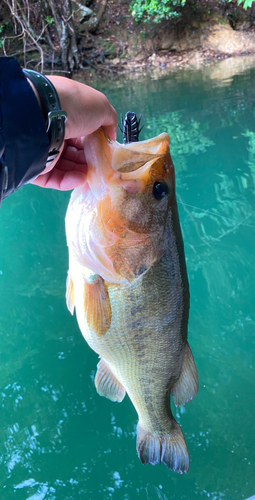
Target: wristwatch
pixel 54 116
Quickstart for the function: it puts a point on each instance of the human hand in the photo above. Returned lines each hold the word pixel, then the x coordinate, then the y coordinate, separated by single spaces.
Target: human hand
pixel 87 110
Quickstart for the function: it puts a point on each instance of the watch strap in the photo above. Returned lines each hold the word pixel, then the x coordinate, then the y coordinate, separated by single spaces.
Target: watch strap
pixel 55 118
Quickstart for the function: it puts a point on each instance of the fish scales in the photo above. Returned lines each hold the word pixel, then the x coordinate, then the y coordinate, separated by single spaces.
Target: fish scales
pixel 143 346
pixel 151 341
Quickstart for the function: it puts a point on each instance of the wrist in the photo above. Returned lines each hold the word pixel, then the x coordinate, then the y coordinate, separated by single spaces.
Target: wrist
pixel 54 116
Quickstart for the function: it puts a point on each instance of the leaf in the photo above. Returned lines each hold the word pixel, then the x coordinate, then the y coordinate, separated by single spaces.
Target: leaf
pixel 247 3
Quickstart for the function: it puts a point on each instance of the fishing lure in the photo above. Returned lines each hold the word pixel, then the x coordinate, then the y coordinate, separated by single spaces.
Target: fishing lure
pixel 130 127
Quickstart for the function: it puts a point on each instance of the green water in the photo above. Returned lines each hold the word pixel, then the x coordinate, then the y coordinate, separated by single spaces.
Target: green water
pixel 58 438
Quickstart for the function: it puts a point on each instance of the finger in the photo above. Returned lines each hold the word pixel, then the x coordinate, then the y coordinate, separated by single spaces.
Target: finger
pixel 63 181
pixel 70 159
pixel 109 123
pixel 87 108
pixel 111 131
pixel 76 142
pixel 54 163
pixel 77 156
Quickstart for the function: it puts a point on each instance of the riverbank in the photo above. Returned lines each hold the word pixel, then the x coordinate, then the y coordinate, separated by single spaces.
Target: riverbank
pixel 121 46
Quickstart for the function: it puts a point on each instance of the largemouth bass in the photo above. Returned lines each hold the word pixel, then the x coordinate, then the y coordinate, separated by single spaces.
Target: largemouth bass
pixel 128 282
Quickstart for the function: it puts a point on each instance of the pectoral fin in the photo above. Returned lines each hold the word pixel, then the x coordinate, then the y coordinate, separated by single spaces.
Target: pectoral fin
pixel 69 293
pixel 186 386
pixel 97 306
pixel 107 384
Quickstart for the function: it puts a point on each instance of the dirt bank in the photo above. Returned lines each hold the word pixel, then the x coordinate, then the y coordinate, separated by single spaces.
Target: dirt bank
pixel 120 45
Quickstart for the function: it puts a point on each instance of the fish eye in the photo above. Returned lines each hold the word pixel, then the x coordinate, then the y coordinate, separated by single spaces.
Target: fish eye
pixel 160 189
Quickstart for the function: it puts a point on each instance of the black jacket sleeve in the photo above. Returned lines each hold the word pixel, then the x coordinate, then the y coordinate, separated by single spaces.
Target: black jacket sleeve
pixel 24 143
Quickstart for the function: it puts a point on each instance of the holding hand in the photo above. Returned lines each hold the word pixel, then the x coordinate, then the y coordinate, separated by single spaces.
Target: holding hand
pixel 87 110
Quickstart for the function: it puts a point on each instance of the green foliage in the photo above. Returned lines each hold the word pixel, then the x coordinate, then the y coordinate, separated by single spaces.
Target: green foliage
pixel 156 10
pixel 246 3
pixel 49 20
pixel 2 27
pixel 1 38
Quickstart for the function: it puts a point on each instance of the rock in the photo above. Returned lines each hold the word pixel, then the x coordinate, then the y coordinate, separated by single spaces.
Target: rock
pixel 239 19
pixel 229 41
pixel 80 12
pixel 116 60
pixel 242 24
pixel 167 41
pixel 216 35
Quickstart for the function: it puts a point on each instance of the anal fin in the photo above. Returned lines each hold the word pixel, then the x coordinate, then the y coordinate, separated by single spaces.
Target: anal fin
pixel 97 306
pixel 186 386
pixel 171 449
pixel 107 384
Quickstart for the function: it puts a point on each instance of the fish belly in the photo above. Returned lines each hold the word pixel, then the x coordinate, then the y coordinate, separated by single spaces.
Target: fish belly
pixel 143 351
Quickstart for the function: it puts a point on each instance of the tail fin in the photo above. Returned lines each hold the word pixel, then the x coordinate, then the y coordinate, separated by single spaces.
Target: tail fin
pixel 170 449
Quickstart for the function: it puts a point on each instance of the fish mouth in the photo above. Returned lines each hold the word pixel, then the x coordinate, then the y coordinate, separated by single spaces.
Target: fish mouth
pixel 133 156
pixel 106 158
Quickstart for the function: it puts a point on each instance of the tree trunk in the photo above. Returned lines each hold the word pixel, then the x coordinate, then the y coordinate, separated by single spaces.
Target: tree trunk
pixel 62 13
pixel 95 19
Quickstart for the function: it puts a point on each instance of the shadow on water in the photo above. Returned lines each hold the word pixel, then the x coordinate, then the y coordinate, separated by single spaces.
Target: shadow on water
pixel 58 438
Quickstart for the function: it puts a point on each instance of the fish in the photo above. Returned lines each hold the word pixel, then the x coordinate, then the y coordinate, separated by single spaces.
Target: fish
pixel 128 283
